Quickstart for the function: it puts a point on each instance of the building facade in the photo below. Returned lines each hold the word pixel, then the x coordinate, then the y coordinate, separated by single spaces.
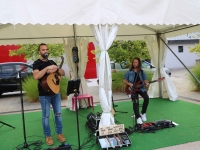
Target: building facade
pixel 180 46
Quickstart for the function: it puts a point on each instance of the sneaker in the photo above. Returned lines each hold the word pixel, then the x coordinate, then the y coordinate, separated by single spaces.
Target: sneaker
pixel 61 138
pixel 139 121
pixel 133 116
pixel 49 140
pixel 143 116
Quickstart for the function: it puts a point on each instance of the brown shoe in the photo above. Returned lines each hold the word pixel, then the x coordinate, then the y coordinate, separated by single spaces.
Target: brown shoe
pixel 61 138
pixel 49 140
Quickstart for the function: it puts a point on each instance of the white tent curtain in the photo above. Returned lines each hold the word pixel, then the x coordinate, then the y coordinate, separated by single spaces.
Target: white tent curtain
pixel 105 35
pixel 82 45
pixel 157 52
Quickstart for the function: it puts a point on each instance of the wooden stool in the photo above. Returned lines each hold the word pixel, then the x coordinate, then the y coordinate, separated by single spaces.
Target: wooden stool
pixel 80 97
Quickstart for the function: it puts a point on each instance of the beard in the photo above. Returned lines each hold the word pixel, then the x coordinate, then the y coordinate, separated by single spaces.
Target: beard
pixel 45 55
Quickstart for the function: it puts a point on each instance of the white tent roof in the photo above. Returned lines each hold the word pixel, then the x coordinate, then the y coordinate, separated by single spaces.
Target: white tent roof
pixel 100 12
pixel 53 20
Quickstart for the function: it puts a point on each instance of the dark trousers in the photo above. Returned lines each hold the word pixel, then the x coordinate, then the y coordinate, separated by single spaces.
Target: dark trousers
pixel 135 99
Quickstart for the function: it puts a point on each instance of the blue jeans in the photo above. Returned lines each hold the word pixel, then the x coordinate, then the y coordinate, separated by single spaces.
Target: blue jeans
pixel 55 101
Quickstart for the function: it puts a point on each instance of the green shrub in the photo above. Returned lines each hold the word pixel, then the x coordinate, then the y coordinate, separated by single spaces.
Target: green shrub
pixel 118 85
pixel 63 87
pixel 30 86
pixel 196 71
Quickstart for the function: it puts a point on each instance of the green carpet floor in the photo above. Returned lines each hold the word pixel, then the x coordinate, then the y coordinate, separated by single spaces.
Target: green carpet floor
pixel 183 113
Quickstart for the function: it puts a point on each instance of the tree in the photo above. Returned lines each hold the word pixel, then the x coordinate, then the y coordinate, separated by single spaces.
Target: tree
pixel 127 50
pixel 195 49
pixel 31 51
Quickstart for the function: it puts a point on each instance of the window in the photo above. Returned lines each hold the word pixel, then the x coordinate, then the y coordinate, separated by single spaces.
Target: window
pixel 180 49
pixel 124 65
pixel 145 65
pixel 7 69
pixel 112 65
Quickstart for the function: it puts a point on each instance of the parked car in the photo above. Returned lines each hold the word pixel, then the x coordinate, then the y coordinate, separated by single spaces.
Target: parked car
pixel 9 75
pixel 146 66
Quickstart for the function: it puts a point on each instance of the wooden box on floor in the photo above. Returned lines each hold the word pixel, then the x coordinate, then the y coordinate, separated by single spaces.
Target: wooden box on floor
pixel 113 141
pixel 113 137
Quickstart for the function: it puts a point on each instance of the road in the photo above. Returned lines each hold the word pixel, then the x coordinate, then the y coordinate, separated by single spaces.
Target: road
pixel 180 78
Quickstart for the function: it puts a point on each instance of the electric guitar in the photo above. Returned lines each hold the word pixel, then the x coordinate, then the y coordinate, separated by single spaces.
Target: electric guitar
pixel 51 82
pixel 138 85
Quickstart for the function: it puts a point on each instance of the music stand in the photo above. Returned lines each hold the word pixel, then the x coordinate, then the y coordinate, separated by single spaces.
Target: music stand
pixel 73 87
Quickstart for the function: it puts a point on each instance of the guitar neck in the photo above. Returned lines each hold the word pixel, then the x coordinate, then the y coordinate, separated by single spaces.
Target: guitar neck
pixel 62 58
pixel 140 85
pixel 153 81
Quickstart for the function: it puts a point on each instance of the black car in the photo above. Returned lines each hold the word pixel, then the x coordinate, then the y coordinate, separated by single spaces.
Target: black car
pixel 9 75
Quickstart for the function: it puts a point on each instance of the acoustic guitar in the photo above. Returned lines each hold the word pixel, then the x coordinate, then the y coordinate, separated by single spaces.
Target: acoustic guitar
pixel 51 82
pixel 138 85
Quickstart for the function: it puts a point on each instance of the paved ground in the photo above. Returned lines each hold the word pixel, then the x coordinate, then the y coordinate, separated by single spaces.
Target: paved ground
pixel 11 102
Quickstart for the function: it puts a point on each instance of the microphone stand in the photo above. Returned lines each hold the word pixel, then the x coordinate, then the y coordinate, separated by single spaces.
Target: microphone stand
pixel 22 107
pixel 6 124
pixel 77 121
pixel 73 87
pixel 116 105
pixel 135 100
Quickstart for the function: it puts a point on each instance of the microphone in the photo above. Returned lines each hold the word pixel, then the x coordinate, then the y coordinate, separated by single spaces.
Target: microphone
pixel 45 55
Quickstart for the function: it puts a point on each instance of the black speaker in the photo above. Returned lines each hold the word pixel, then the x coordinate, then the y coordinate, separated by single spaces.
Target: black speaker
pixel 75 54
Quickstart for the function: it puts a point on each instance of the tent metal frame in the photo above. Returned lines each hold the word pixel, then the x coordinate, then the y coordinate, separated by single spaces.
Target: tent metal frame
pixel 157 34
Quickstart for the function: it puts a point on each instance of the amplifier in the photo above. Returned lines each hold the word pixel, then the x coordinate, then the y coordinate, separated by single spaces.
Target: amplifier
pixel 93 121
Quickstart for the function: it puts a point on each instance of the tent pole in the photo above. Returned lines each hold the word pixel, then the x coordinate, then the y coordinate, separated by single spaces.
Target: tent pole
pixel 61 37
pixel 160 85
pixel 76 94
pixel 178 29
pixel 74 29
pixel 180 60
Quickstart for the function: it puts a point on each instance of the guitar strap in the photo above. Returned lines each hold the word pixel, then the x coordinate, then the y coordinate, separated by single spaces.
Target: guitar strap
pixel 142 75
pixel 133 96
pixel 136 78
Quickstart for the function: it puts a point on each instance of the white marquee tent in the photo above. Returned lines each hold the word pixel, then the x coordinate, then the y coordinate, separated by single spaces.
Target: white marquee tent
pixel 52 21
